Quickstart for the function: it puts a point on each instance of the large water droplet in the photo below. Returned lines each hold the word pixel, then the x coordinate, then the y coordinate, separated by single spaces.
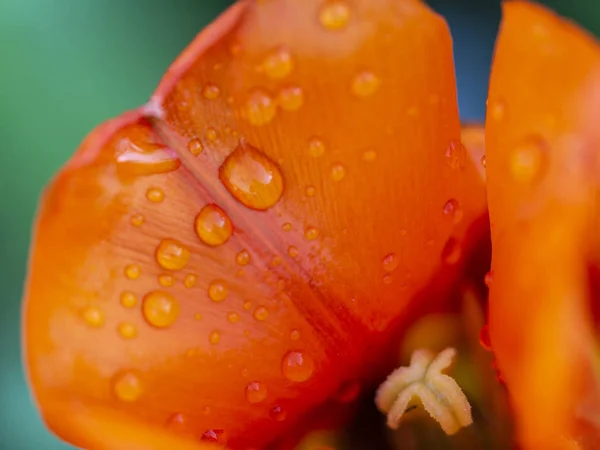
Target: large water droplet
pixel 291 98
pixel 217 291
pixel 256 392
pixel 297 366
pixel 260 108
pixel 528 160
pixel 456 154
pixel 127 386
pixel 334 15
pixel 213 226
pixel 278 64
pixel 172 254
pixel 453 210
pixel 252 178
pixel 365 84
pixel 160 309
pixel 139 154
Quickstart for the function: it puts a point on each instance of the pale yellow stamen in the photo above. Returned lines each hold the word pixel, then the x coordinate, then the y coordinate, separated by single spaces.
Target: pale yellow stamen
pixel 440 395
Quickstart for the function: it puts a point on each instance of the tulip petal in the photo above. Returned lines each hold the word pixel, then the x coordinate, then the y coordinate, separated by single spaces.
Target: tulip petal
pixel 217 263
pixel 542 189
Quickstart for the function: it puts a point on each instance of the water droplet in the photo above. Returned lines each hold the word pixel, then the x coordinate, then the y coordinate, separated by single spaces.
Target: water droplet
pixel 247 305
pixel 276 261
pixel 127 330
pixel 212 435
pixel 233 317
pixel 387 279
pixel 155 195
pixel 93 316
pixel 242 258
pixel 390 262
pixel 334 15
pixel 294 335
pixel 527 160
pixel 453 210
pixel 133 271
pixel 160 309
pixel 291 98
pixel 293 251
pixel 190 280
pixel 261 313
pixel 369 155
pixel 260 108
pixel 497 109
pixel 365 84
pixel 217 291
pixel 127 386
pixel 296 366
pixel 252 178
pixel 128 299
pixel 256 392
pixel 456 154
pixel 277 413
pixel 286 226
pixel 137 220
pixel 166 280
pixel 451 252
pixel 172 255
pixel 211 91
pixel 278 64
pixel 338 172
pixel 139 154
pixel 211 134
pixel 483 162
pixel 213 226
pixel 484 338
pixel 316 147
pixel 195 146
pixel 214 337
pixel 311 233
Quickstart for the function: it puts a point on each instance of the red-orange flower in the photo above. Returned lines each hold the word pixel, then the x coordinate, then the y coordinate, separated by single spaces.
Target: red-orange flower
pixel 219 264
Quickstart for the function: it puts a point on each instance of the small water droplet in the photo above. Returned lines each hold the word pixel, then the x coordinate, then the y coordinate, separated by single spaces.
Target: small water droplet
pixel 166 280
pixel 456 154
pixel 233 317
pixel 278 64
pixel 140 154
pixel 483 162
pixel 127 330
pixel 212 436
pixel 294 335
pixel 276 261
pixel 133 271
pixel 338 172
pixel 297 366
pixel 127 386
pixel 316 147
pixel 311 191
pixel 213 226
pixel 390 262
pixel 260 108
pixel 93 316
pixel 160 309
pixel 217 291
pixel 247 305
pixel 128 299
pixel 277 414
pixel 453 210
pixel 387 279
pixel 195 146
pixel 256 392
pixel 291 98
pixel 293 251
pixel 311 233
pixel 528 160
pixel 369 155
pixel 484 338
pixel 137 220
pixel 214 337
pixel 286 226
pixel 365 84
pixel 211 134
pixel 172 254
pixel 252 178
pixel 155 195
pixel 261 313
pixel 190 280
pixel 451 252
pixel 242 258
pixel 334 15
pixel 211 91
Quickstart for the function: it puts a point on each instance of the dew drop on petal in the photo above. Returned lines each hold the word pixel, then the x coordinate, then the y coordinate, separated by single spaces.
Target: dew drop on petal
pixel 139 154
pixel 260 109
pixel 311 191
pixel 155 195
pixel 487 279
pixel 496 109
pixel 172 254
pixel 93 316
pixel 528 159
pixel 334 15
pixel 294 335
pixel 133 271
pixel 211 134
pixel 166 280
pixel 242 258
pixel 456 154
pixel 293 251
pixel 338 172
pixel 213 226
pixel 291 98
pixel 190 280
pixel 217 291
pixel 286 226
pixel 214 337
pixel 127 386
pixel 297 366
pixel 233 317
pixel 256 392
pixel 252 178
pixel 278 64
pixel 195 146
pixel 316 147
pixel 128 299
pixel 160 309
pixel 277 414
pixel 212 436
pixel 137 220
pixel 261 313
pixel 211 91
pixel 311 233
pixel 127 330
pixel 390 262
pixel 365 84
pixel 453 210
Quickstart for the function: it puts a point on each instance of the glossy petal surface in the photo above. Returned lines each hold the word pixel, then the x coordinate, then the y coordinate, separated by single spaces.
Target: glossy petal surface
pixel 542 168
pixel 255 231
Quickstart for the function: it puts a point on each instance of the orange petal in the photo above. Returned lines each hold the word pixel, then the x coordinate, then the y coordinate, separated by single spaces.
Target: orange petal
pixel 542 185
pixel 241 251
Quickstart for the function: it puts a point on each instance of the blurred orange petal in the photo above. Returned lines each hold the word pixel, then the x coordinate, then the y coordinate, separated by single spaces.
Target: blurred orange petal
pixel 542 168
pixel 217 264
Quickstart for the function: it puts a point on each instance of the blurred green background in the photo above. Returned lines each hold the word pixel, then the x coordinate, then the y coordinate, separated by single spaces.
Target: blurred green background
pixel 66 65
